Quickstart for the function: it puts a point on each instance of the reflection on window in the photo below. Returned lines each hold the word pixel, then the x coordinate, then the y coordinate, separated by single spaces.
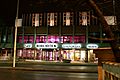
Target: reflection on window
pixel 66 39
pixel 53 39
pixel 92 37
pixel 40 39
pixel 28 39
pixel 19 40
pixel 79 39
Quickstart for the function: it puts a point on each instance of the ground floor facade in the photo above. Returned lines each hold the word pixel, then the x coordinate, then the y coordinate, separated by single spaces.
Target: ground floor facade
pixel 52 52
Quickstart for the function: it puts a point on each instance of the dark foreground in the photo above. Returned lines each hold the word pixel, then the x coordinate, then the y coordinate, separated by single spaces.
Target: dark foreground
pixel 6 74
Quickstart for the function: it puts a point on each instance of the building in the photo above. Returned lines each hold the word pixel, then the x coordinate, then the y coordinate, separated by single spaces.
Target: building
pixel 53 35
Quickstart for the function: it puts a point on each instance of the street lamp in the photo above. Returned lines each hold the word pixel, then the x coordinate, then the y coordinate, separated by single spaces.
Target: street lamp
pixel 16 22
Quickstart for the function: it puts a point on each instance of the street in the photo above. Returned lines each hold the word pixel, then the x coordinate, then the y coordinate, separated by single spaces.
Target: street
pixel 6 74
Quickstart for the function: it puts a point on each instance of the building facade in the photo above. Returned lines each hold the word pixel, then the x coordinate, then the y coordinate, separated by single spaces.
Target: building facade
pixel 54 36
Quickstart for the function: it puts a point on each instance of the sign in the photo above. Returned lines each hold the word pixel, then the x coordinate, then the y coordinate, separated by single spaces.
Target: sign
pixel 46 45
pixel 92 46
pixel 18 22
pixel 28 45
pixel 70 46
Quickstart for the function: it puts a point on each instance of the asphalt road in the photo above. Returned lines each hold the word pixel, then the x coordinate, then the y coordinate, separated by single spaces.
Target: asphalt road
pixel 6 74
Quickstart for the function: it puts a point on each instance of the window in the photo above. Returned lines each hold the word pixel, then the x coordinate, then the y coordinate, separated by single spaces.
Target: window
pixel 37 19
pixel 79 39
pixel 19 39
pixel 53 39
pixel 84 18
pixel 66 39
pixel 93 37
pixel 41 39
pixel 28 39
pixel 52 19
pixel 67 18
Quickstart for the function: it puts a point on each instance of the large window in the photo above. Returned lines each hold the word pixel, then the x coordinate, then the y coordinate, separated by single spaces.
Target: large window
pixel 84 18
pixel 28 39
pixel 52 19
pixel 66 39
pixel 94 37
pixel 79 39
pixel 41 39
pixel 53 39
pixel 19 39
pixel 68 18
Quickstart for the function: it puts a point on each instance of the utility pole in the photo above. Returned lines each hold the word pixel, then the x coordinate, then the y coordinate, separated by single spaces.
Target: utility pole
pixel 15 40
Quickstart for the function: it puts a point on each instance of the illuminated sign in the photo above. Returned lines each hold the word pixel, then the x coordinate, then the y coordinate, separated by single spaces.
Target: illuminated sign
pixel 46 45
pixel 92 46
pixel 28 45
pixel 69 46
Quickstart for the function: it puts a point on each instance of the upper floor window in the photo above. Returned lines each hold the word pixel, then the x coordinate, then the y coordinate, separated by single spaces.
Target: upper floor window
pixel 51 19
pixel 37 19
pixel 67 18
pixel 84 18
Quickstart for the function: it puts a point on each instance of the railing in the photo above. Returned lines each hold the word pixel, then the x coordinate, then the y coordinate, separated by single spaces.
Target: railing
pixel 111 71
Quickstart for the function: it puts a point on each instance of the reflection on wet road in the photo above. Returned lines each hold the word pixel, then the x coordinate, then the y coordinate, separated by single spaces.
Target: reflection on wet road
pixel 39 75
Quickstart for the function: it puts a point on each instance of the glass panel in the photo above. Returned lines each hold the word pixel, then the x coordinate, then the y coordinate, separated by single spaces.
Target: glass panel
pixel 92 37
pixel 40 39
pixel 31 39
pixel 19 40
pixel 84 18
pixel 53 39
pixel 36 19
pixel 66 39
pixel 25 39
pixel 79 39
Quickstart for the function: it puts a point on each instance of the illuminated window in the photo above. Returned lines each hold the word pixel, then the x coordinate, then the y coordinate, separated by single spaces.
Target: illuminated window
pixel 84 18
pixel 111 20
pixel 66 39
pixel 19 39
pixel 79 39
pixel 67 18
pixel 28 39
pixel 53 39
pixel 37 19
pixel 52 19
pixel 41 39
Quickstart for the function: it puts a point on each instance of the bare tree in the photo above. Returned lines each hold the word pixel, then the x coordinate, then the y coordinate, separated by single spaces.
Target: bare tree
pixel 108 31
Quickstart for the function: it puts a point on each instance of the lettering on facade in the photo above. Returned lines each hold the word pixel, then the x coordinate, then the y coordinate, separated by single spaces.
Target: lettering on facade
pixel 92 46
pixel 70 46
pixel 46 45
pixel 27 45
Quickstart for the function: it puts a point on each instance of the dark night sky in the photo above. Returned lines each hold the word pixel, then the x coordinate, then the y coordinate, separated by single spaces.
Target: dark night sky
pixel 8 11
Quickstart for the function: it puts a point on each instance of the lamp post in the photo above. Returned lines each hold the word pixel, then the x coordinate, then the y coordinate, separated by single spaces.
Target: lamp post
pixel 16 22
